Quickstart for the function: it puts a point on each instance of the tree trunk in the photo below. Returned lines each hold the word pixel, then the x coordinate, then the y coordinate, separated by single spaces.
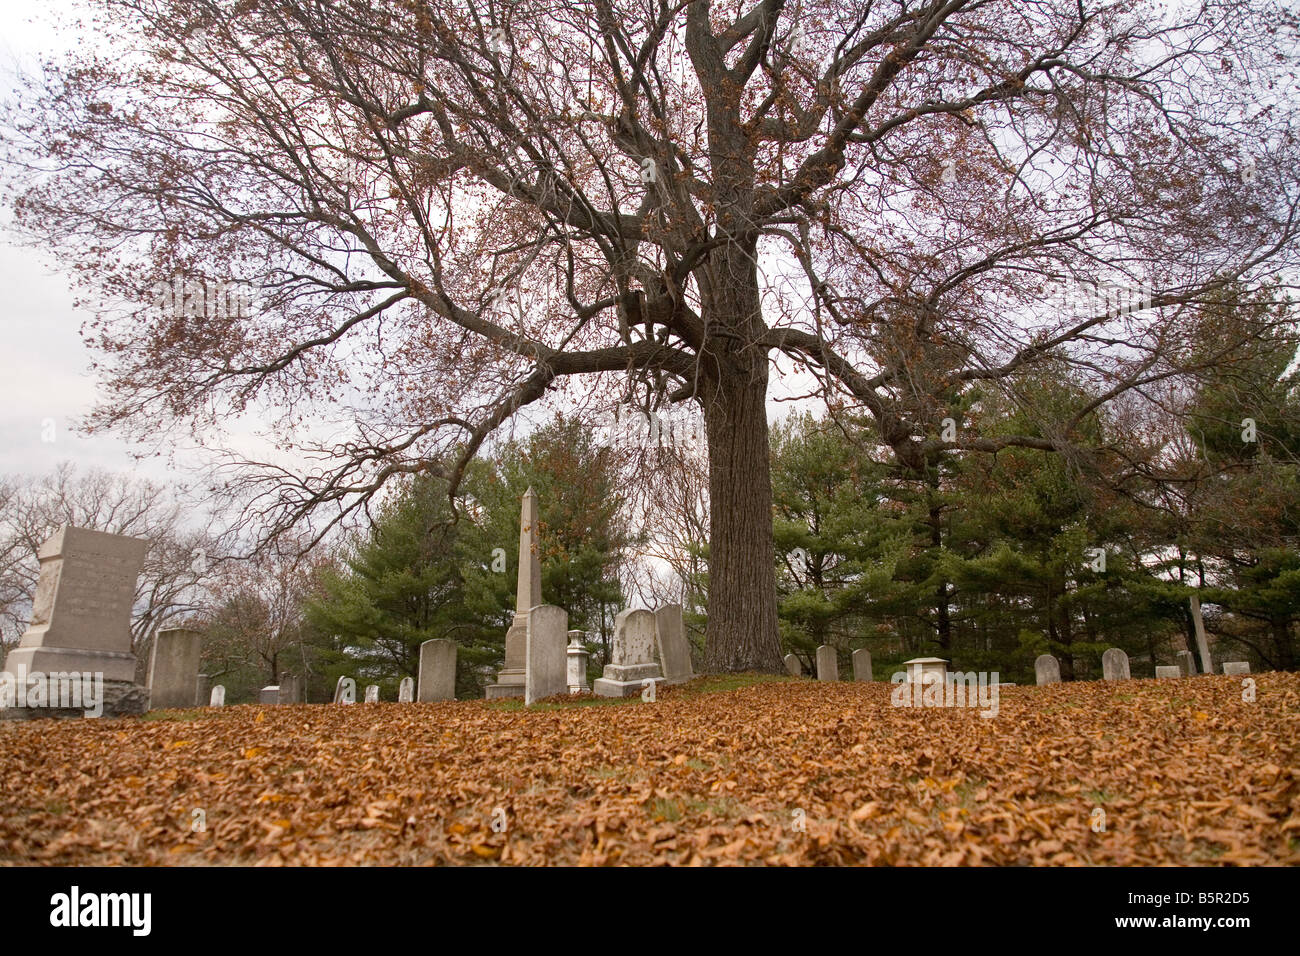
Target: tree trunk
pixel 742 633
pixel 1283 647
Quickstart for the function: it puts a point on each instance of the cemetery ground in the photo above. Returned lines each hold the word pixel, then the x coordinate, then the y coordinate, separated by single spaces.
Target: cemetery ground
pixel 741 770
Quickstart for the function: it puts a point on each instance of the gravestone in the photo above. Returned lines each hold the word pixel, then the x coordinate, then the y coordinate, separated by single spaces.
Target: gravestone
pixel 437 671
pixel 1114 664
pixel 406 691
pixel 862 664
pixel 202 690
pixel 1186 663
pixel 1236 667
pixel 345 691
pixel 1170 670
pixel 674 648
pixel 174 668
pixel 81 618
pixel 792 665
pixel 528 594
pixel 290 689
pixel 577 655
pixel 270 694
pixel 632 657
pixel 545 653
pixel 926 670
pixel 218 696
pixel 828 663
pixel 1047 670
pixel 372 693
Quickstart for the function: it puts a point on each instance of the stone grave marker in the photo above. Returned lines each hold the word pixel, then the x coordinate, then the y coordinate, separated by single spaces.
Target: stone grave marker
pixel 1114 664
pixel 1171 670
pixel 406 691
pixel 632 656
pixel 1047 670
pixel 270 694
pixel 372 693
pixel 81 618
pixel 528 594
pixel 828 663
pixel 792 665
pixel 546 653
pixel 577 656
pixel 1186 663
pixel 174 668
pixel 290 689
pixel 862 664
pixel 345 691
pixel 202 690
pixel 1236 667
pixel 218 696
pixel 437 670
pixel 674 648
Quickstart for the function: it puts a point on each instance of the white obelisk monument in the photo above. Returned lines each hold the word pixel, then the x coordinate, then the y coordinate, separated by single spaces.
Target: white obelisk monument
pixel 528 594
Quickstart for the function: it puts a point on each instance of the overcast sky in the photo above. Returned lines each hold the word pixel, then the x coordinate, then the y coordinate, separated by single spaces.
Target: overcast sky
pixel 43 364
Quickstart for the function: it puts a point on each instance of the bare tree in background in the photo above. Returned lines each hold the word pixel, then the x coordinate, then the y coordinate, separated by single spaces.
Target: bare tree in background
pixel 455 209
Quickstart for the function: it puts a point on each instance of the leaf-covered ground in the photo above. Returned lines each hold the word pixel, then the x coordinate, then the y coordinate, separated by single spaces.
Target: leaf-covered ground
pixel 774 771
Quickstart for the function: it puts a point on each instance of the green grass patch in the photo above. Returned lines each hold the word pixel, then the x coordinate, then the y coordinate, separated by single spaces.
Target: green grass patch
pixel 173 715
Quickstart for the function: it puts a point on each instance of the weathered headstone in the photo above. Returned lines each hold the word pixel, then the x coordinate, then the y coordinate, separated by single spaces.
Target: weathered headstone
pixel 345 691
pixel 372 693
pixel 174 668
pixel 290 689
pixel 528 594
pixel 1236 667
pixel 1168 670
pixel 792 665
pixel 406 691
pixel 674 648
pixel 437 671
pixel 545 653
pixel 1186 663
pixel 1114 664
pixel 81 618
pixel 862 664
pixel 926 670
pixel 578 656
pixel 202 689
pixel 632 657
pixel 270 694
pixel 1047 670
pixel 218 696
pixel 828 663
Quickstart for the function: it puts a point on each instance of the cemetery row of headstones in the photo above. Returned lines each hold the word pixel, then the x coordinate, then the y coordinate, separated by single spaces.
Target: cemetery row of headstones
pixel 1115 666
pixel 81 614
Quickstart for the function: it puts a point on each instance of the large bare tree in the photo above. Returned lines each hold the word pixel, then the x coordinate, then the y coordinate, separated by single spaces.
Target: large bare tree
pixel 456 209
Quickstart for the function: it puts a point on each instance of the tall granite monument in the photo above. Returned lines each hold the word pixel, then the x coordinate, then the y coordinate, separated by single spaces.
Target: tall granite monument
pixel 528 594
pixel 81 616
